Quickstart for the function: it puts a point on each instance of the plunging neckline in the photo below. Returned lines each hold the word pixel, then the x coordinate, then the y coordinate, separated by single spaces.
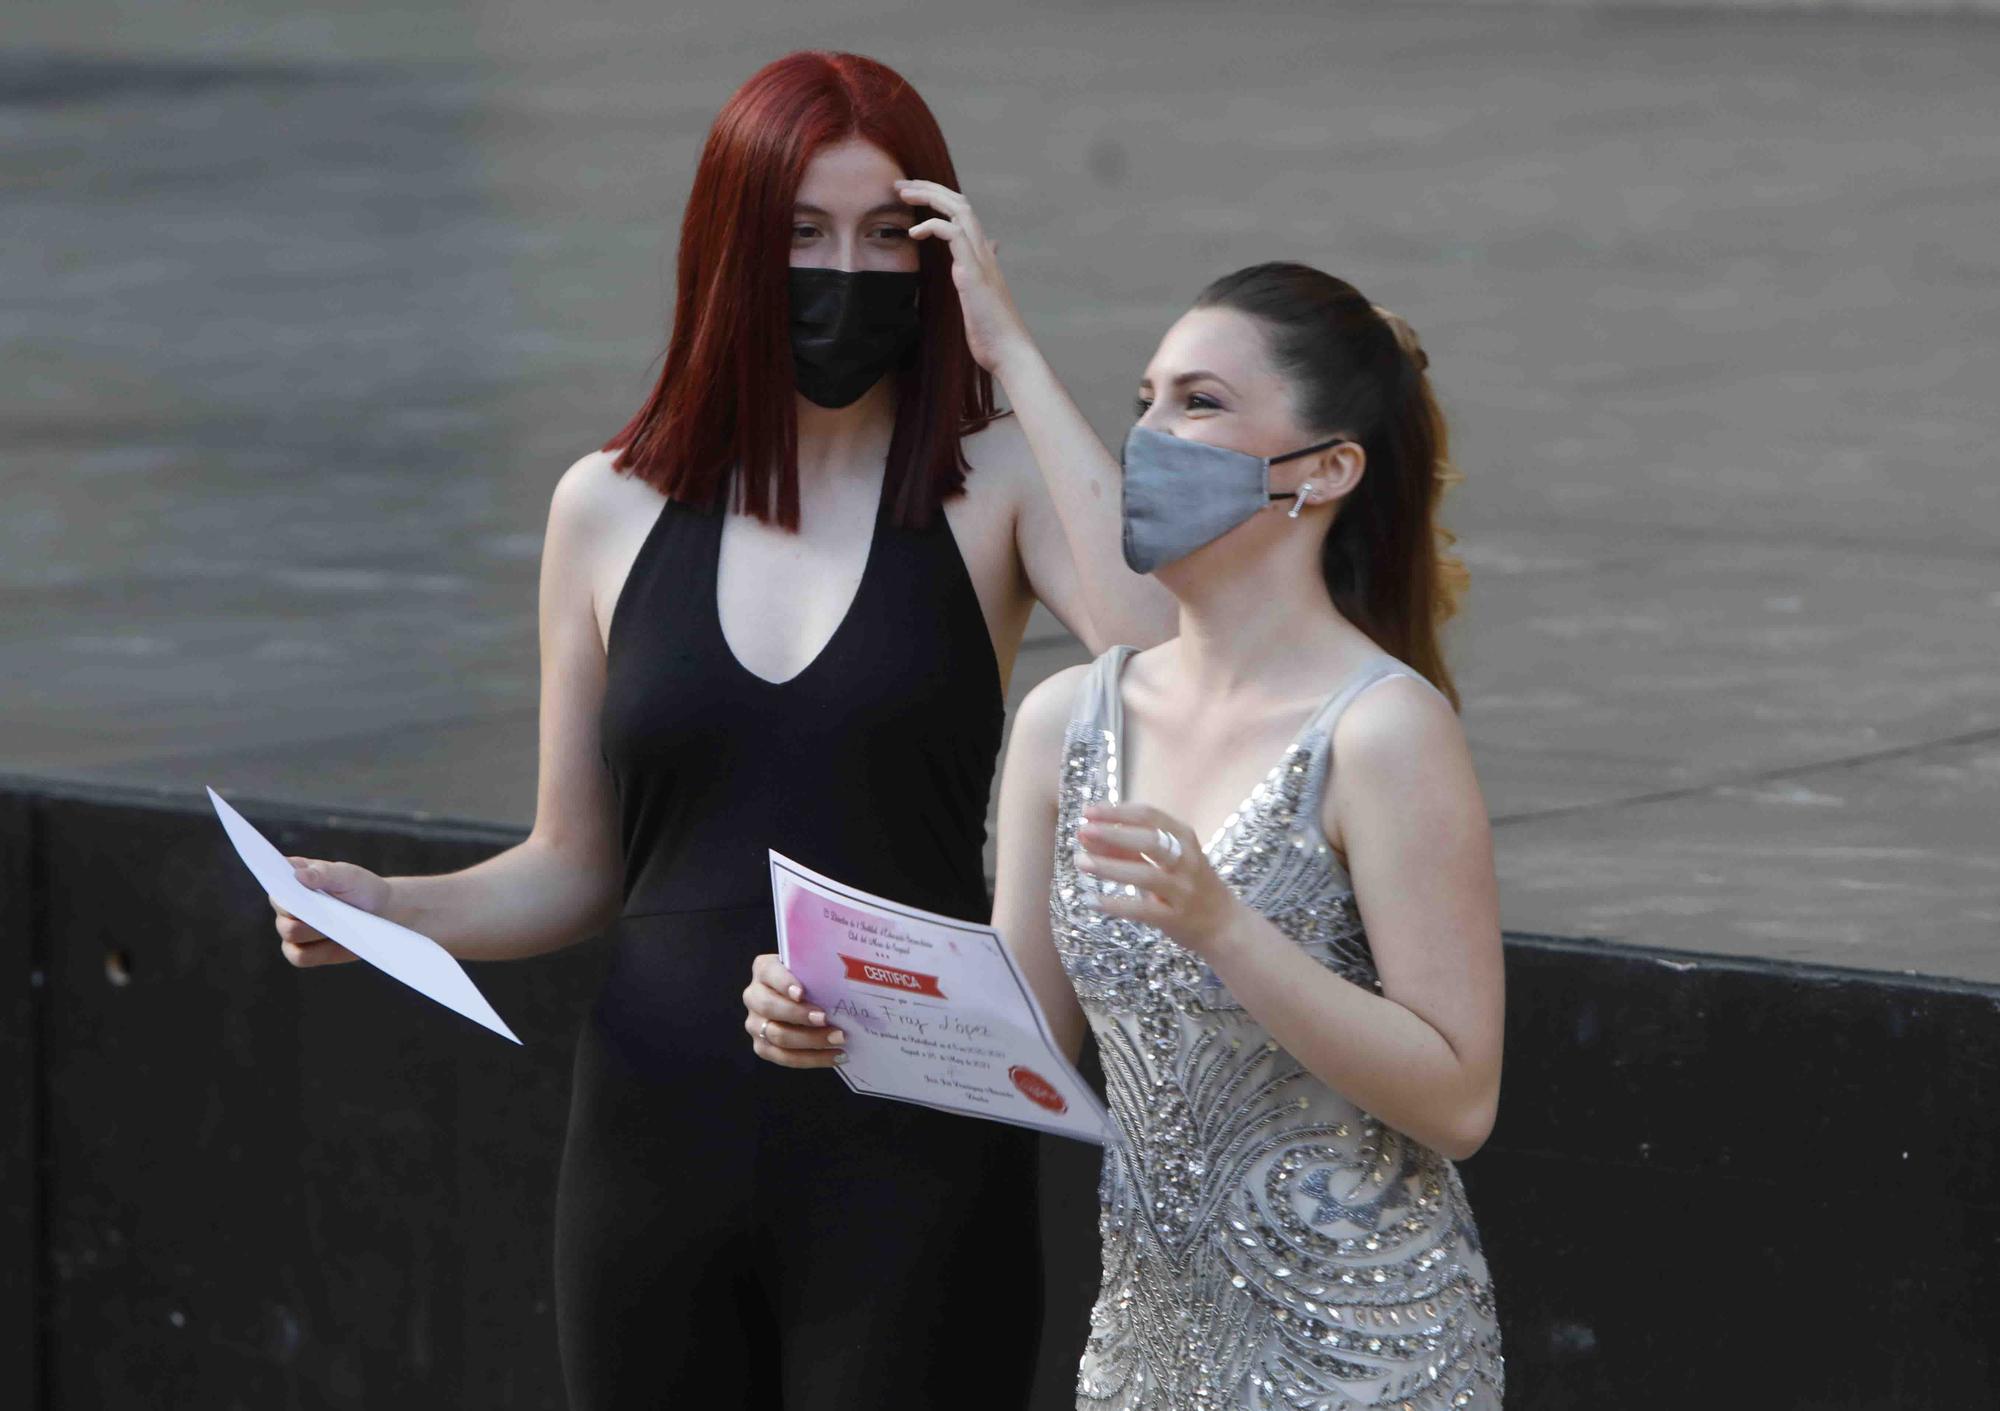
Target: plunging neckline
pixel 1117 732
pixel 839 628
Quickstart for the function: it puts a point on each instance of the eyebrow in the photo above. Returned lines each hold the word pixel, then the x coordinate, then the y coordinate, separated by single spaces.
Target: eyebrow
pixel 1195 375
pixel 887 208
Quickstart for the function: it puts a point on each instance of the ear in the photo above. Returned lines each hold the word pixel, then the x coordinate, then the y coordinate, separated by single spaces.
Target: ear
pixel 1333 473
pixel 1345 465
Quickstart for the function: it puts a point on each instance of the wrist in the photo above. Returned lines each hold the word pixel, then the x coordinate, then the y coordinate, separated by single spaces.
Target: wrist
pixel 398 905
pixel 1018 360
pixel 1230 937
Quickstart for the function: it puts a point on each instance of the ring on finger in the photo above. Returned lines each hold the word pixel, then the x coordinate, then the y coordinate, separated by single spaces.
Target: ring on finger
pixel 764 1033
pixel 1169 845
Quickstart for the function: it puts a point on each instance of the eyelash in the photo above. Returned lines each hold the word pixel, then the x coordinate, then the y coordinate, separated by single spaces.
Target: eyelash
pixel 1196 400
pixel 895 232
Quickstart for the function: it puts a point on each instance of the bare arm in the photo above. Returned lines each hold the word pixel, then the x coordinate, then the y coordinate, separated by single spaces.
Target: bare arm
pixel 1026 863
pixel 1072 514
pixel 561 884
pixel 1070 529
pixel 1424 1055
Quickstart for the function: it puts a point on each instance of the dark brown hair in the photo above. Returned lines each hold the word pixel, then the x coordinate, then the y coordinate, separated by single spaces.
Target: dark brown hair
pixel 1358 370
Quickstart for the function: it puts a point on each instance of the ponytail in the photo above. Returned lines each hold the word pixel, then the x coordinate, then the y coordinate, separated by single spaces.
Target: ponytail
pixel 1359 369
pixel 1419 424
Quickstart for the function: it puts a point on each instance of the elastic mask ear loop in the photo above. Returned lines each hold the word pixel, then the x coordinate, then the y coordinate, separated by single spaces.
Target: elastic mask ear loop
pixel 1298 496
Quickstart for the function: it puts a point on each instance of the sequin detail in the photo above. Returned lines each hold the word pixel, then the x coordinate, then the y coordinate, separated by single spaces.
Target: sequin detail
pixel 1266 1243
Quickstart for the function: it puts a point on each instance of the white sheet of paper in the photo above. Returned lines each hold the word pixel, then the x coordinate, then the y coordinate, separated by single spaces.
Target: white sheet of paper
pixel 934 1009
pixel 409 956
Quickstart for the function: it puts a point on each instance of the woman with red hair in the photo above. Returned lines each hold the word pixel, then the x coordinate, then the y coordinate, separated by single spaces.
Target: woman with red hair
pixel 779 610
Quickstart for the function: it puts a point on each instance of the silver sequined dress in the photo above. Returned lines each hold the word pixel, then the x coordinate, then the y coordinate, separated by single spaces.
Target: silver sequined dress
pixel 1266 1242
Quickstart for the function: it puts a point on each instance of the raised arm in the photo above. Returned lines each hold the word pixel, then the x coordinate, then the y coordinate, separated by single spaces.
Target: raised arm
pixel 1076 517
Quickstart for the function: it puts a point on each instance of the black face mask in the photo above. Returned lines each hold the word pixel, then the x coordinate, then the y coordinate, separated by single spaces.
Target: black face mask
pixel 849 327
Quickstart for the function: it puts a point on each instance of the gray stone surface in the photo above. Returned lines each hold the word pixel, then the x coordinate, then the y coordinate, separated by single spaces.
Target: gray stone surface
pixel 304 311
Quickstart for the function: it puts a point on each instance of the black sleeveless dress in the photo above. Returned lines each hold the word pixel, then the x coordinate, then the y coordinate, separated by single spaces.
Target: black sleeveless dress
pixel 730 1233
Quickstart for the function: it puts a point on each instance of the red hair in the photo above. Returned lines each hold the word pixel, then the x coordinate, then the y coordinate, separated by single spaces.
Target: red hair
pixel 725 394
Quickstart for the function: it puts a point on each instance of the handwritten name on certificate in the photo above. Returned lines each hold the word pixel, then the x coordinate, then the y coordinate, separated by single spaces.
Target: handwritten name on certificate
pixel 934 1009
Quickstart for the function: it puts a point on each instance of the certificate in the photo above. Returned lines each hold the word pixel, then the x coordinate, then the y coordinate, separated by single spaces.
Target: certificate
pixel 934 1009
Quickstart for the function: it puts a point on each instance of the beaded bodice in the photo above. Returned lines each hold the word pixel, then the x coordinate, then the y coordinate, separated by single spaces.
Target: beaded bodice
pixel 1266 1242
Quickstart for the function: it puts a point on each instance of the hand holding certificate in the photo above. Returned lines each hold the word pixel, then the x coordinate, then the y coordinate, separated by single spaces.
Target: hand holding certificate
pixel 414 958
pixel 934 1008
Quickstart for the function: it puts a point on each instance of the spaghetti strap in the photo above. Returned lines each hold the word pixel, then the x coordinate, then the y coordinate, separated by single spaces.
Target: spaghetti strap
pixel 1370 672
pixel 1097 705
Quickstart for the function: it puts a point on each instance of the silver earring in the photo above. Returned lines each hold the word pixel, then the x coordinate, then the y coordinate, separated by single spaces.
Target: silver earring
pixel 1299 500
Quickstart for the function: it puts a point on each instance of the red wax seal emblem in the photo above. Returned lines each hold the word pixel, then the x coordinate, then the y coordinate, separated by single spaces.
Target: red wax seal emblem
pixel 1037 1089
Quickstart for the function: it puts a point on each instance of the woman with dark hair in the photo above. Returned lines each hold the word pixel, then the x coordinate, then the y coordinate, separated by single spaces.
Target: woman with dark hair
pixel 779 610
pixel 1299 1007
pixel 1299 1004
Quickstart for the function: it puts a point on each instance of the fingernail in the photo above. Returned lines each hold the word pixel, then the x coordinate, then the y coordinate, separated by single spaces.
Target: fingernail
pixel 836 1037
pixel 816 1018
pixel 839 1060
pixel 796 993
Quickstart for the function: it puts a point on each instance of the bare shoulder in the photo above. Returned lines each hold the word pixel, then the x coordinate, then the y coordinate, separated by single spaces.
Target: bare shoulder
pixel 1401 729
pixel 988 513
pixel 598 518
pixel 1044 713
pixel 593 494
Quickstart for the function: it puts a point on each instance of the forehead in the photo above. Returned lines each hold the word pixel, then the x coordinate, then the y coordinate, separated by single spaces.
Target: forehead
pixel 850 174
pixel 1222 341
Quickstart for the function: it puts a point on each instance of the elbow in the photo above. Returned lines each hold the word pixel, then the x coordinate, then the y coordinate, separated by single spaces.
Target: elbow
pixel 1469 1130
pixel 604 916
pixel 1461 1146
pixel 588 877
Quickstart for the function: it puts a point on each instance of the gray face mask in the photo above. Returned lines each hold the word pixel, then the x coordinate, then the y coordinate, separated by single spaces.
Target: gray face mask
pixel 1181 494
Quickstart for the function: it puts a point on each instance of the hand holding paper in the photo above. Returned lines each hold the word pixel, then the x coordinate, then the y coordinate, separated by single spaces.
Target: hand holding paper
pixel 934 1009
pixel 415 959
pixel 307 948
